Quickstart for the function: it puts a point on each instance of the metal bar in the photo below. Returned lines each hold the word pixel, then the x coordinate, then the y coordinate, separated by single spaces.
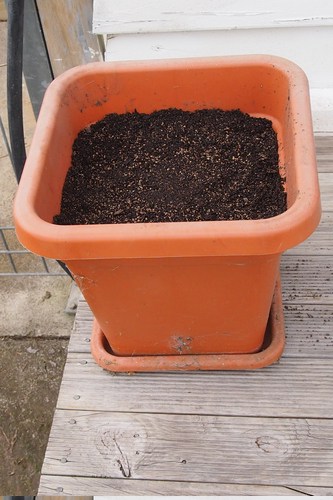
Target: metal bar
pixel 45 265
pixel 5 140
pixel 14 83
pixel 24 22
pixel 8 251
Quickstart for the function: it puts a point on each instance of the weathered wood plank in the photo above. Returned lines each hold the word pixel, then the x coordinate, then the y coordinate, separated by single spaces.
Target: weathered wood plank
pixel 314 491
pixel 324 142
pixel 80 336
pixel 326 190
pixel 192 447
pixel 320 242
pixel 67 30
pixel 324 150
pixel 309 331
pixel 307 279
pixel 309 385
pixel 65 485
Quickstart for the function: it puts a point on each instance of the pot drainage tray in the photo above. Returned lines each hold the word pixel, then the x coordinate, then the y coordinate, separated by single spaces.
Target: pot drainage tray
pixel 270 352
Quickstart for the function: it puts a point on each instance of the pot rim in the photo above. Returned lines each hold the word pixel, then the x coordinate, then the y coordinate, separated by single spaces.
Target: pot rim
pixel 173 239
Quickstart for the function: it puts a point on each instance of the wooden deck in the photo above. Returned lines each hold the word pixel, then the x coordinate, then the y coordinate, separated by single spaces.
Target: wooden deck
pixel 266 432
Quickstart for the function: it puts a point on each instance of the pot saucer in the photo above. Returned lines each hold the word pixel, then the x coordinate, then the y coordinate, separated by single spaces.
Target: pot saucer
pixel 270 352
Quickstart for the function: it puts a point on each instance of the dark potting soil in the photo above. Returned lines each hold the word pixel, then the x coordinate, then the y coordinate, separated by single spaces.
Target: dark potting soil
pixel 173 165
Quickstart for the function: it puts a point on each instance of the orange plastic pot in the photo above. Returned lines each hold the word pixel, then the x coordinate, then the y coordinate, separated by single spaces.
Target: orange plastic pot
pixel 173 288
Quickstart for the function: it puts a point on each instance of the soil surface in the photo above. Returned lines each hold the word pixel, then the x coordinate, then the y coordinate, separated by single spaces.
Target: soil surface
pixel 173 165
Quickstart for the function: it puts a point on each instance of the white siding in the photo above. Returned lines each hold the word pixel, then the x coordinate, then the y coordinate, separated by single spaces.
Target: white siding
pixel 148 16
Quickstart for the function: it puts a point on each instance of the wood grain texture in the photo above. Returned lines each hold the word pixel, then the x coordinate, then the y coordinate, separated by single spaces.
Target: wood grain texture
pixel 172 447
pixel 314 491
pixel 63 485
pixel 324 151
pixel 255 393
pixel 67 31
pixel 320 242
pixel 307 279
pixel 309 331
pixel 326 189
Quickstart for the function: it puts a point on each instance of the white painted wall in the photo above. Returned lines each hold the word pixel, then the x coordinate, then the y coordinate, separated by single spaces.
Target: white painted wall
pixel 151 16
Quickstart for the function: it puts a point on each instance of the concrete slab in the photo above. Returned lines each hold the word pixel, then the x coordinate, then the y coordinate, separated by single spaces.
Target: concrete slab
pixel 8 188
pixel 35 307
pixel 31 370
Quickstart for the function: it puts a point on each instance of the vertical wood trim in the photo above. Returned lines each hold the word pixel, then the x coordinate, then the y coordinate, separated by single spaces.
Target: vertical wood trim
pixel 3 17
pixel 67 31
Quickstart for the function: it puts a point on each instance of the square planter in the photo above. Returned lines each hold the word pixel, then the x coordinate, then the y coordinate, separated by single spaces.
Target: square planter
pixel 183 288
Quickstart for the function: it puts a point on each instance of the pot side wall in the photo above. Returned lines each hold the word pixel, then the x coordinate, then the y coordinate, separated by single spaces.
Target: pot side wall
pixel 180 305
pixel 174 288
